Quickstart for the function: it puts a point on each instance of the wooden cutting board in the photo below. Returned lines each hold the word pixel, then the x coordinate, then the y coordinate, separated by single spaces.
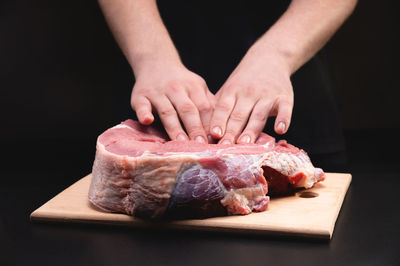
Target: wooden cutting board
pixel 309 213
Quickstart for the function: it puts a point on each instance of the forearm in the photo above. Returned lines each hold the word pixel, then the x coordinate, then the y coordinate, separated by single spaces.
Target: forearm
pixel 260 85
pixel 140 32
pixel 304 29
pixel 163 86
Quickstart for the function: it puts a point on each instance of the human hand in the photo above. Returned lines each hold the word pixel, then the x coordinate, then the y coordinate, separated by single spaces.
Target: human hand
pixel 258 88
pixel 175 93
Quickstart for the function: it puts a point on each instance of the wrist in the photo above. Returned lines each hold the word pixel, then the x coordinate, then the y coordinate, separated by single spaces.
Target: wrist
pixel 274 51
pixel 149 62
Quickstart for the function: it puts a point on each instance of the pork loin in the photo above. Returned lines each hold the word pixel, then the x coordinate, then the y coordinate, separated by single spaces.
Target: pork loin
pixel 138 171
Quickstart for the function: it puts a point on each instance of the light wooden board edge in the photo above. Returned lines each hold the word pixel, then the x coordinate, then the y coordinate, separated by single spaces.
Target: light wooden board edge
pixel 339 206
pixel 41 216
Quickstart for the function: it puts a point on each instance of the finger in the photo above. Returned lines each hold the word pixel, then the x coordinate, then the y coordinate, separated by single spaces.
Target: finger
pixel 189 115
pixel 256 122
pixel 237 120
pixel 264 138
pixel 142 107
pixel 222 111
pixel 169 118
pixel 283 117
pixel 212 99
pixel 202 102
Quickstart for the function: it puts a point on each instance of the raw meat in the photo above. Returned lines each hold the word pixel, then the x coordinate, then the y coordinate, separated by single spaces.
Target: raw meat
pixel 139 172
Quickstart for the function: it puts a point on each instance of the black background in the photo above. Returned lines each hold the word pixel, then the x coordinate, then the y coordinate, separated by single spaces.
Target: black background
pixel 62 79
pixel 60 69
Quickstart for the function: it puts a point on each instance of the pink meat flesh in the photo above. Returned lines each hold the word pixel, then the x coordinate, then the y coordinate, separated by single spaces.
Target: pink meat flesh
pixel 139 172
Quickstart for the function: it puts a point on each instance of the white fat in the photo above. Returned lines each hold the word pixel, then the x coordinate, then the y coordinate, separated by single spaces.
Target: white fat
pixel 122 126
pixel 290 164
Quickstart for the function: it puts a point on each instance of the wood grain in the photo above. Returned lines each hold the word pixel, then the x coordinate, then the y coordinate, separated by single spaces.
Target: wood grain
pixel 299 215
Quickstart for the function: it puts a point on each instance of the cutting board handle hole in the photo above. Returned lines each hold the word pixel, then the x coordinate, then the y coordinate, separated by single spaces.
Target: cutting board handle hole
pixel 308 194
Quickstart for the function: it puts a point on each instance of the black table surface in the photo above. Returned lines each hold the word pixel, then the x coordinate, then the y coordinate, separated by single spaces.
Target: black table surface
pixel 367 231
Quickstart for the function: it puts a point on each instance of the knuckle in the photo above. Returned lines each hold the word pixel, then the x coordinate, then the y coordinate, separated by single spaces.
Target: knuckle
pixel 153 94
pixel 175 86
pixel 137 104
pixel 237 117
pixel 224 106
pixel 230 133
pixel 195 130
pixel 137 89
pixel 187 108
pixel 204 106
pixel 249 91
pixel 283 99
pixel 231 87
pixel 139 92
pixel 167 112
pixel 260 116
pixel 140 109
pixel 140 113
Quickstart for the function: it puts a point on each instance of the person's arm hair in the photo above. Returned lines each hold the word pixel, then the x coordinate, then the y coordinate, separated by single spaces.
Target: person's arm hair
pixel 260 86
pixel 163 85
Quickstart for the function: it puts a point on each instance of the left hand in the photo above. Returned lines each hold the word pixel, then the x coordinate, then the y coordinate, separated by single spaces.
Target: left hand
pixel 258 88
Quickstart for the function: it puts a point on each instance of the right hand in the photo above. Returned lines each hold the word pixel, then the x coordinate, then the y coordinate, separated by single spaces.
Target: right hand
pixel 174 93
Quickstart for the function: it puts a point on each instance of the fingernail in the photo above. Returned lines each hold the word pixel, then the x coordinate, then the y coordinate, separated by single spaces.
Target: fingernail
pixel 281 127
pixel 245 139
pixel 217 131
pixel 200 139
pixel 181 137
pixel 226 142
pixel 147 120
